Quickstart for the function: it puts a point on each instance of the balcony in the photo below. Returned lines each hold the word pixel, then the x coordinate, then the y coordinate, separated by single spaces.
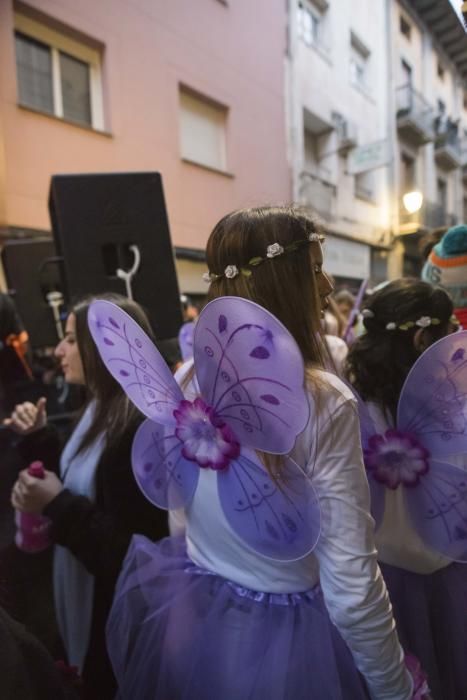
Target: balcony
pixel 414 116
pixel 449 153
pixel 318 194
pixel 431 215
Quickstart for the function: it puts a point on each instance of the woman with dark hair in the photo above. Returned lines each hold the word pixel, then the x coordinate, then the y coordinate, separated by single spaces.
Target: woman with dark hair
pixel 427 590
pixel 89 493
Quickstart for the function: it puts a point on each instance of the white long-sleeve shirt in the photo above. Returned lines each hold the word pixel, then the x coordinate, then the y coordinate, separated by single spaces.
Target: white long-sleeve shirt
pixel 344 560
pixel 397 541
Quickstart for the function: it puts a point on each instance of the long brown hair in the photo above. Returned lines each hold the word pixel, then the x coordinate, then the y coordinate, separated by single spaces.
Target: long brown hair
pixel 286 285
pixel 115 413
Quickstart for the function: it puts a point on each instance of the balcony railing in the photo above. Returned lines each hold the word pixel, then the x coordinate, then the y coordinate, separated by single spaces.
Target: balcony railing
pixel 414 116
pixel 448 146
pixel 431 215
pixel 318 194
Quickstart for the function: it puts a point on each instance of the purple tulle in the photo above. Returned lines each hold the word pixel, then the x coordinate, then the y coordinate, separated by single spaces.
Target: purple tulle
pixel 430 611
pixel 178 632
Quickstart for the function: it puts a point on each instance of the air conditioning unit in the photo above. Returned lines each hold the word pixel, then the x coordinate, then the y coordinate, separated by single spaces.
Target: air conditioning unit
pixel 347 133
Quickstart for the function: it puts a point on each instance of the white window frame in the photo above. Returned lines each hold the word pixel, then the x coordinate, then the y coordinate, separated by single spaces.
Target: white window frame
pixel 365 187
pixel 59 42
pixel 219 114
pixel 316 10
pixel 360 57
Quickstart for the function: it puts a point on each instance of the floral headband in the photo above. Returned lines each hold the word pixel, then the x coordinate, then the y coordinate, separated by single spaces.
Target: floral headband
pixel 272 251
pixel 422 322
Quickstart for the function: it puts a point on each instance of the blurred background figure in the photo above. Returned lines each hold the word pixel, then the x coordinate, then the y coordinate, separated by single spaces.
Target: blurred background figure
pixel 190 310
pixel 15 369
pixel 344 301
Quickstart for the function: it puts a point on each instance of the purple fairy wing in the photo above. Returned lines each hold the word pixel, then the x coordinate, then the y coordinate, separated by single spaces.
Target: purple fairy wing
pixel 438 509
pixel 251 372
pixel 433 400
pixel 367 431
pixel 185 340
pixel 279 519
pixel 132 359
pixel 165 477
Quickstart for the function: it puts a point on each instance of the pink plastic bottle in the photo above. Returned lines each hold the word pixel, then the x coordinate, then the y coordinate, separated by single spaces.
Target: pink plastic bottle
pixel 32 534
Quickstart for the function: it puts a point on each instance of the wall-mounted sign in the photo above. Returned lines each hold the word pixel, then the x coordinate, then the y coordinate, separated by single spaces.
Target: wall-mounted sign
pixel 369 157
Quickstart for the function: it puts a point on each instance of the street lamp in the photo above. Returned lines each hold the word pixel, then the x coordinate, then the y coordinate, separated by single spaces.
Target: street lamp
pixel 412 201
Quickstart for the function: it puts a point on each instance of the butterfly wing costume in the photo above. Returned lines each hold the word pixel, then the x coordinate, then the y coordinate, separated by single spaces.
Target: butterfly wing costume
pixel 251 399
pixel 426 453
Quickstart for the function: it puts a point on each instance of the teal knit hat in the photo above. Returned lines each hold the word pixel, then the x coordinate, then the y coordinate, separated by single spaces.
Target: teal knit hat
pixel 447 265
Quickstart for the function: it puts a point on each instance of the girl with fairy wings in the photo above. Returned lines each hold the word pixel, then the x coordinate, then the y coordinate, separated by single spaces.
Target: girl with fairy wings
pixel 410 372
pixel 274 591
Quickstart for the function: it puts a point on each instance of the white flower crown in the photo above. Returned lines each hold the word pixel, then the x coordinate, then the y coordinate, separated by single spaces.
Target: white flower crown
pixel 272 251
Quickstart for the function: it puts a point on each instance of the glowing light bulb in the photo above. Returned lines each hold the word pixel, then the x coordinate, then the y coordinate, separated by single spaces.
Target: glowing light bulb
pixel 413 201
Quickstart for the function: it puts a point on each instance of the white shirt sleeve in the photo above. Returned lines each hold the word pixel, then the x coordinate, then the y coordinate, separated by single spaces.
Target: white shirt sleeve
pixel 177 522
pixel 351 581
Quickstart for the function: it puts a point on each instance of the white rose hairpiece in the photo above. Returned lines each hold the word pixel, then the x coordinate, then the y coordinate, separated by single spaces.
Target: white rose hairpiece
pixel 273 250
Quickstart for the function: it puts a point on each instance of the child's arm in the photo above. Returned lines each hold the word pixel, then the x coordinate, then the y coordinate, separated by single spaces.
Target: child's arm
pixel 352 584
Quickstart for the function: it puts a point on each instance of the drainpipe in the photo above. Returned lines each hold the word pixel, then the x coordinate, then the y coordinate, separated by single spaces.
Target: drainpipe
pixel 292 121
pixel 396 255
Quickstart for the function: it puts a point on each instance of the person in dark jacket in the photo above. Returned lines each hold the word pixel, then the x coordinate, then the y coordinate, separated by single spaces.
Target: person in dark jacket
pixel 90 495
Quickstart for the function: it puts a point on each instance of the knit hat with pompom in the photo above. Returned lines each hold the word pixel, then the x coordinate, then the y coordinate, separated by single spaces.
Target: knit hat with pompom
pixel 447 267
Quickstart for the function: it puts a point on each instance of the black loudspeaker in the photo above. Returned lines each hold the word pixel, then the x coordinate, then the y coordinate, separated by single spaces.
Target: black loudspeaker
pixel 31 273
pixel 97 222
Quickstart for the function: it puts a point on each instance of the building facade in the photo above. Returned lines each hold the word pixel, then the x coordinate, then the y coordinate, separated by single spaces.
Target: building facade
pixel 342 106
pixel 338 109
pixel 377 107
pixel 429 69
pixel 192 90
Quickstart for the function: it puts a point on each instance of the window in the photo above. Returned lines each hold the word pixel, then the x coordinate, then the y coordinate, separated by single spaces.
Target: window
pixel 440 70
pixel 34 66
pixel 57 74
pixel 364 186
pixel 311 22
pixel 408 180
pixel 405 27
pixel 359 62
pixel 202 130
pixel 442 193
pixel 406 73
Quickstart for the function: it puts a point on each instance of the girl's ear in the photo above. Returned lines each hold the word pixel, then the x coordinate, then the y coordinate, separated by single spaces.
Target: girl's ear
pixel 420 340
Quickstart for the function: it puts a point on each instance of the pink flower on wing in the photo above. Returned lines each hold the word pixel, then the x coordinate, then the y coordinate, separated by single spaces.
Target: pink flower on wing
pixel 206 439
pixel 396 458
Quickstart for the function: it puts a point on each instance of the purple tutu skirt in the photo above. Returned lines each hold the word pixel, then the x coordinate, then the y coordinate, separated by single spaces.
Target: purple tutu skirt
pixel 178 632
pixel 431 615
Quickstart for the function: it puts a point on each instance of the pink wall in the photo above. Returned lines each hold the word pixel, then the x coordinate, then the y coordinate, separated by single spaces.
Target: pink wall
pixel 228 52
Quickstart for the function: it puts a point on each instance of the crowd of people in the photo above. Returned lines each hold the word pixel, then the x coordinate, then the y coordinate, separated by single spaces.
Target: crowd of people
pixel 349 580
